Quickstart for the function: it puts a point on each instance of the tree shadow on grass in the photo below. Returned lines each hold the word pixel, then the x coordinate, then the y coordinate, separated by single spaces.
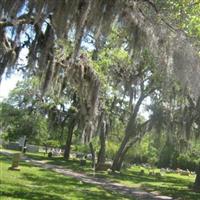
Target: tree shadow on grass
pixel 30 195
pixel 183 193
pixel 56 183
pixel 6 159
pixel 73 164
pixel 166 185
pixel 173 186
pixel 137 178
pixel 37 183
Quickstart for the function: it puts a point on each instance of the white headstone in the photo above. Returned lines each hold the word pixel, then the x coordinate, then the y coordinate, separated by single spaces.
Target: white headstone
pixel 22 141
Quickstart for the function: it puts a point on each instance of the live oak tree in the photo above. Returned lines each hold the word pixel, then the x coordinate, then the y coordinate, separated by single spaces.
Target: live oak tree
pixel 145 81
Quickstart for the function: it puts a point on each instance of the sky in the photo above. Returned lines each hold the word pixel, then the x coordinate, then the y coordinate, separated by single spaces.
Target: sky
pixel 8 84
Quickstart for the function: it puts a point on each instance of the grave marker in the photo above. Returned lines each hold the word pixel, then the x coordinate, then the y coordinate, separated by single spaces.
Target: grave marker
pixel 15 162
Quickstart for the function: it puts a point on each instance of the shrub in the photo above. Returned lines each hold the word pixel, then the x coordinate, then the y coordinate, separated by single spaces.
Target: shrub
pixel 185 161
pixel 81 148
pixel 111 150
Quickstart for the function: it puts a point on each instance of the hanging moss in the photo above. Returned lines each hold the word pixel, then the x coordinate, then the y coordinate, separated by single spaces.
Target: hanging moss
pixel 50 21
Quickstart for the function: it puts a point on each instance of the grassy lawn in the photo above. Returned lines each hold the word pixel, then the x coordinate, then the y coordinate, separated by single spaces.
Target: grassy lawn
pixel 36 183
pixel 71 164
pixel 173 184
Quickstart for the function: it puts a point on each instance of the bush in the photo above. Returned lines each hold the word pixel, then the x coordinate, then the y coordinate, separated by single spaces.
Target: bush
pixel 139 159
pixel 166 155
pixel 81 148
pixel 52 143
pixel 111 150
pixel 50 154
pixel 185 161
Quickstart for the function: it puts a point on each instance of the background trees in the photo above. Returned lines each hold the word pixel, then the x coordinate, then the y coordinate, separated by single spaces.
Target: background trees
pixel 19 122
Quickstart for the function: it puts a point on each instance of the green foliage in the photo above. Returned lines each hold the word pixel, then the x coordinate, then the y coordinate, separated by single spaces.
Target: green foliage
pixel 152 155
pixel 81 148
pixel 109 60
pixel 144 152
pixel 19 122
pixel 183 14
pixel 166 155
pixel 184 161
pixel 26 112
pixel 52 143
pixel 112 147
pixel 25 93
pixel 64 49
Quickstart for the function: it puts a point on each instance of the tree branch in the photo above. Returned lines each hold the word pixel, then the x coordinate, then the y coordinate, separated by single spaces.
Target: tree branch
pixel 157 12
pixel 25 19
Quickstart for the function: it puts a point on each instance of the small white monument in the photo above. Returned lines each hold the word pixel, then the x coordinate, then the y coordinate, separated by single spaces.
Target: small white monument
pixel 22 143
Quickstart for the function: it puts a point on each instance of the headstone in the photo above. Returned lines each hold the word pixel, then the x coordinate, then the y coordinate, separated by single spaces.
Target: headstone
pixel 22 141
pixel 79 155
pixel 32 148
pixel 15 162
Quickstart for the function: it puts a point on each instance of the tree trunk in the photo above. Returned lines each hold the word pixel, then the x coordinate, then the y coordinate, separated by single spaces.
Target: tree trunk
pixel 69 140
pixel 86 134
pixel 117 163
pixel 130 132
pixel 102 152
pixel 93 154
pixel 197 180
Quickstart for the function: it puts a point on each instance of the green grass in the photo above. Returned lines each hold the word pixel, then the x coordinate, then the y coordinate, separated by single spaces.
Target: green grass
pixel 69 164
pixel 173 185
pixel 36 183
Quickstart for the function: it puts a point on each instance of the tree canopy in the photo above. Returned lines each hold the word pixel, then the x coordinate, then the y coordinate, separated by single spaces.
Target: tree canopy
pixel 149 24
pixel 91 65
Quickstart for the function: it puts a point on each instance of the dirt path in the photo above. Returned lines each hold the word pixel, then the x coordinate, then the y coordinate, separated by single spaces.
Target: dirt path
pixel 128 191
